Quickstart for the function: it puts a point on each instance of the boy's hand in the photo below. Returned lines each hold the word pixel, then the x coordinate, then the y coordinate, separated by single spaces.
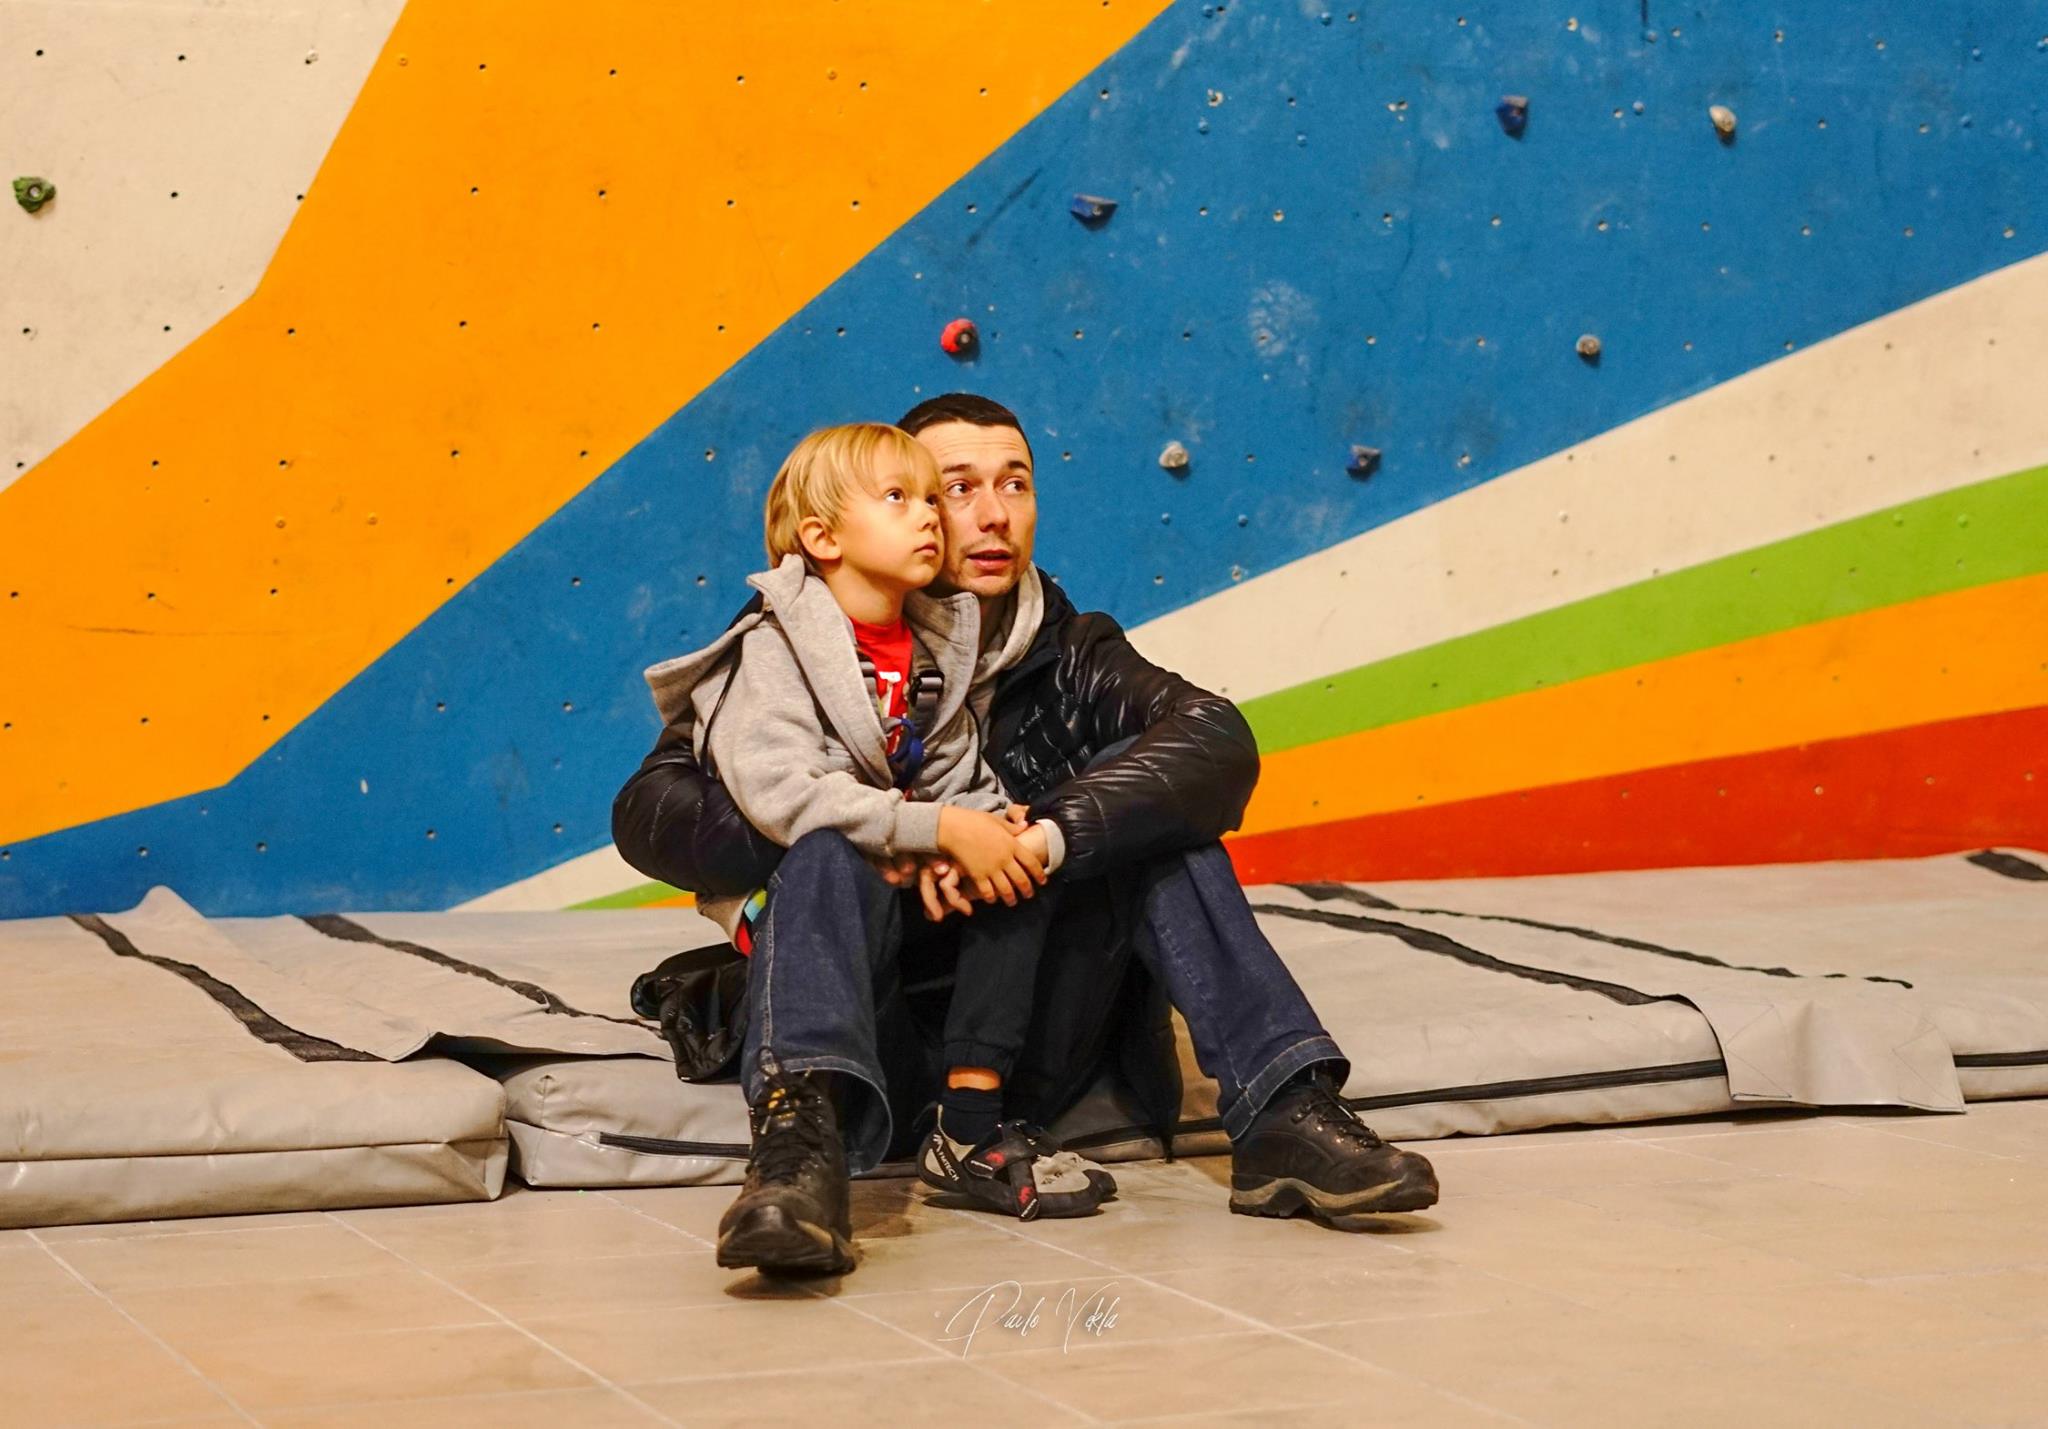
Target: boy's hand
pixel 989 855
pixel 1018 816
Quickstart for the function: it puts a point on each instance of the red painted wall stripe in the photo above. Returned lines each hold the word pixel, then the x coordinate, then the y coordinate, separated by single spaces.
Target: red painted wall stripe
pixel 1926 789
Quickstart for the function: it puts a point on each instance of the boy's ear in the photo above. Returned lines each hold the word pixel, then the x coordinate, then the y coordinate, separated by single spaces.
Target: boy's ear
pixel 820 541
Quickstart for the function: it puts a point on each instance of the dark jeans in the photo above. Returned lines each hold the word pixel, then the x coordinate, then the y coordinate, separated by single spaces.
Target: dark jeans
pixel 836 947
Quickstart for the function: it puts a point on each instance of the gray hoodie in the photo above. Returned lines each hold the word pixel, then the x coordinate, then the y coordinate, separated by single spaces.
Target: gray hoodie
pixel 796 739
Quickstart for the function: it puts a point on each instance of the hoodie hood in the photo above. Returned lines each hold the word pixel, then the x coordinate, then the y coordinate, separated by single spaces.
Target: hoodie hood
pixel 1026 613
pixel 821 637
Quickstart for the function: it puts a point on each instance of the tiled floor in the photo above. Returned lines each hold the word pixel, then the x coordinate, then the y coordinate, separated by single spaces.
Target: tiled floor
pixel 1811 1270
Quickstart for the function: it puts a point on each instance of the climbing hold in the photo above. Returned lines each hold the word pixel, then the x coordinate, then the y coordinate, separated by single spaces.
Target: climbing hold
pixel 1174 457
pixel 33 193
pixel 1090 209
pixel 1588 347
pixel 1513 113
pixel 1363 462
pixel 1724 122
pixel 960 337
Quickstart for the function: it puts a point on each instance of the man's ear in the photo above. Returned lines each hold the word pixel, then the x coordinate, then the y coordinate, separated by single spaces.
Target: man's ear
pixel 820 541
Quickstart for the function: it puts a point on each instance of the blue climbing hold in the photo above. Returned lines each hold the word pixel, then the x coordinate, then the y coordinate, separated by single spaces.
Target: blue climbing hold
pixel 1513 112
pixel 1092 210
pixel 1363 462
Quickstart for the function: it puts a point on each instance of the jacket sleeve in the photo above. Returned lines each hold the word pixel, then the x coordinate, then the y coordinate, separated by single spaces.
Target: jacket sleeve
pixel 1182 780
pixel 675 823
pixel 956 770
pixel 770 748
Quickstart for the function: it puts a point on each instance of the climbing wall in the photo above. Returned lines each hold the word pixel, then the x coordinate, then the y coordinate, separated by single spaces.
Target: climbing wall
pixel 1599 435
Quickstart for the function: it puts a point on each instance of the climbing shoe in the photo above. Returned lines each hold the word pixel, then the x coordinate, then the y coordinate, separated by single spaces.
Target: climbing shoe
pixel 1017 1171
pixel 793 1214
pixel 1307 1151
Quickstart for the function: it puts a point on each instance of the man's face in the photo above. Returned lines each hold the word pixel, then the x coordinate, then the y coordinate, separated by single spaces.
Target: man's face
pixel 990 502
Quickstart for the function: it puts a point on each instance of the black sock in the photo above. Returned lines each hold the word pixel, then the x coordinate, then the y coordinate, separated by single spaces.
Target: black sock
pixel 969 1114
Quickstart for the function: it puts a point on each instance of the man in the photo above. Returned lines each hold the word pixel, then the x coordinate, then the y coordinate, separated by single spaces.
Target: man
pixel 1141 773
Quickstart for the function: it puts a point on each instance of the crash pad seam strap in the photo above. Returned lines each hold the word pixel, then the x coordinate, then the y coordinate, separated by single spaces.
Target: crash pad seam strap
pixel 1518 1087
pixel 1425 941
pixel 257 1022
pixel 2002 1059
pixel 2008 865
pixel 1323 892
pixel 349 931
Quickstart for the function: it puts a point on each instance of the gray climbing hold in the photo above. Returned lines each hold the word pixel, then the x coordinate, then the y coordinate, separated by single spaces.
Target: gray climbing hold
pixel 1588 347
pixel 32 193
pixel 1363 461
pixel 1513 113
pixel 1724 122
pixel 1092 210
pixel 1174 457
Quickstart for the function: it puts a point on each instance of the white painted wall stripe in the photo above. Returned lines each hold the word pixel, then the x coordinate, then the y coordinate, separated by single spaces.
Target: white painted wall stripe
pixel 596 874
pixel 1933 396
pixel 115 276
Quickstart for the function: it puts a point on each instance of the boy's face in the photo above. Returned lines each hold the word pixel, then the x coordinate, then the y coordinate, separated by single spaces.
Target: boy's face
pixel 888 529
pixel 990 503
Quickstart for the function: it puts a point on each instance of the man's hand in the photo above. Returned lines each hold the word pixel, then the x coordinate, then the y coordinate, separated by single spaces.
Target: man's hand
pixel 938 884
pixel 1033 838
pixel 897 872
pixel 989 855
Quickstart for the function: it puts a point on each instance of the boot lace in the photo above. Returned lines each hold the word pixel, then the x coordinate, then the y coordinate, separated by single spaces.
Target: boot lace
pixel 1331 1113
pixel 789 1132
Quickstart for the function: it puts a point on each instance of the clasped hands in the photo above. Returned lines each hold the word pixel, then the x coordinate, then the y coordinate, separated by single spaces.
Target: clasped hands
pixel 982 858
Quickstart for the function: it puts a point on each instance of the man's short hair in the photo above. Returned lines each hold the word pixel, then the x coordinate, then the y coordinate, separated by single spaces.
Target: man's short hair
pixel 815 477
pixel 968 407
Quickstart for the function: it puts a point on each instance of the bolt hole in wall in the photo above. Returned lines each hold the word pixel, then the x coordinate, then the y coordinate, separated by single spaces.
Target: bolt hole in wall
pixel 1428 277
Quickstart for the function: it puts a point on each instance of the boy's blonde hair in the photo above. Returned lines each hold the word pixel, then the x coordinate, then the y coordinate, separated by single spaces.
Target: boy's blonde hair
pixel 815 477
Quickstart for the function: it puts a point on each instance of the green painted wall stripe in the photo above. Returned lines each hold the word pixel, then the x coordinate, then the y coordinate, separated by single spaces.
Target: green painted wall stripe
pixel 636 897
pixel 1988 531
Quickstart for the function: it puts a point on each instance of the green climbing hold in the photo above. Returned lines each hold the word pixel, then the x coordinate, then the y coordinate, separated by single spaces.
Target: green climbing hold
pixel 33 193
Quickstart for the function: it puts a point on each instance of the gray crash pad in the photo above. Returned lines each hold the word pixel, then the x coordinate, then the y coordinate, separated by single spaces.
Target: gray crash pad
pixel 136 1085
pixel 1467 1007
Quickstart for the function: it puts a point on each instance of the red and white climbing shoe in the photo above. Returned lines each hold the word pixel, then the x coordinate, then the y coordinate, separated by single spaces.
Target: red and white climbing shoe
pixel 1018 1171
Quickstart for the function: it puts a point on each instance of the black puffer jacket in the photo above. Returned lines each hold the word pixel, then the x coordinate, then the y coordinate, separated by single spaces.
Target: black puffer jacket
pixel 1183 779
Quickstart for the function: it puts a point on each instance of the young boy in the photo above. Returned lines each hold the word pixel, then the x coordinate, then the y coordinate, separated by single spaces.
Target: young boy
pixel 843 705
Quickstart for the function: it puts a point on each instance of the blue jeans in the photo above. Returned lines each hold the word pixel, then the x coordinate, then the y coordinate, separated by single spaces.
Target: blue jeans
pixel 825 989
pixel 1251 1027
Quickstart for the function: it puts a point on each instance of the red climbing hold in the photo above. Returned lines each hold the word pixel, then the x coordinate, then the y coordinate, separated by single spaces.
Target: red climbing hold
pixel 959 337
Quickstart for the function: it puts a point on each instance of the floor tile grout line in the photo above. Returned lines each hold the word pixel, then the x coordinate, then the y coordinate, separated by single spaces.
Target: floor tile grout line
pixel 325 1405
pixel 1254 1323
pixel 665 1225
pixel 158 1340
pixel 173 1235
pixel 908 1362
pixel 940 1355
pixel 506 1320
pixel 1198 1415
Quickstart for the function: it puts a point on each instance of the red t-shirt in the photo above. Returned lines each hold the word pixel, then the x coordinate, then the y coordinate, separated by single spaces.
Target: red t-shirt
pixel 887 648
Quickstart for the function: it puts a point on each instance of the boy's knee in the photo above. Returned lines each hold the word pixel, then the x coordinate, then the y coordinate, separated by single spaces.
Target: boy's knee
pixel 826 856
pixel 824 845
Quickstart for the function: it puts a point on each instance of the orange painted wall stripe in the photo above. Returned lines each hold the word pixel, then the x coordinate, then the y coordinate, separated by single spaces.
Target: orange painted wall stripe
pixel 1969 652
pixel 520 249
